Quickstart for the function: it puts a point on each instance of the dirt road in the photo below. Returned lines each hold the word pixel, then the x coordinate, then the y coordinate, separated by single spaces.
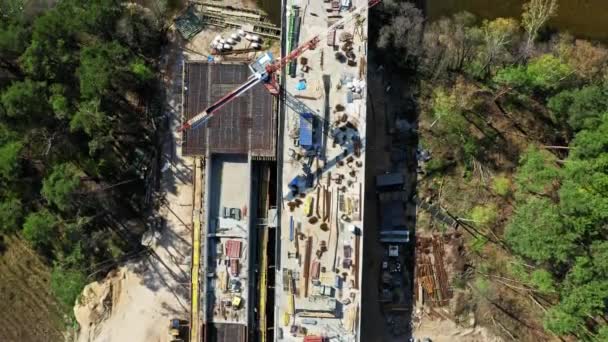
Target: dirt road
pixel 382 106
pixel 146 293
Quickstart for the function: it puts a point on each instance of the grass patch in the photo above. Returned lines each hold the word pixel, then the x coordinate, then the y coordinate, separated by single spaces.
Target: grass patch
pixel 31 312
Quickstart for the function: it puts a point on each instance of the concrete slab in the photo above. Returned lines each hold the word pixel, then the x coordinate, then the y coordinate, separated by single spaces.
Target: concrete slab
pixel 333 237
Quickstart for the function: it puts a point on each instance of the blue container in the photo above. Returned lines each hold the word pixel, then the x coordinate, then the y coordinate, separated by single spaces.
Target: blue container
pixel 306 130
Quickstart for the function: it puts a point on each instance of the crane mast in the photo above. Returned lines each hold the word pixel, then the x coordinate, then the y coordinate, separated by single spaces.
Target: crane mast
pixel 269 67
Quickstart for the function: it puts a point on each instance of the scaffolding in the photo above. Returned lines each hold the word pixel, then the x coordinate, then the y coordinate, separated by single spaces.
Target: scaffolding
pixel 189 23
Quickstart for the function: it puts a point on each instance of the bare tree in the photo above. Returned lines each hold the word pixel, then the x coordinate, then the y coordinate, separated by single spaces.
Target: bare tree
pixel 499 36
pixel 536 14
pixel 450 43
pixel 403 29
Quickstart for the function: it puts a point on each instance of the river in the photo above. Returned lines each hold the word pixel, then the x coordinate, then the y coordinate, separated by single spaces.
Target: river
pixel 583 18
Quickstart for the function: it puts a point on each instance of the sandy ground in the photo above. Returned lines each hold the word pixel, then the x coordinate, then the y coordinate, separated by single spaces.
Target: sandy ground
pixel 448 331
pixel 143 295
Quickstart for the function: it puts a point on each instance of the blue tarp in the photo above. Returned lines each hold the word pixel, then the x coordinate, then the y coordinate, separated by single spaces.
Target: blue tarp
pixel 301 85
pixel 306 130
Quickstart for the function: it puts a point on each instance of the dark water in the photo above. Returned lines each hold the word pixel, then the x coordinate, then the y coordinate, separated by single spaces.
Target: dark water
pixel 584 18
pixel 273 8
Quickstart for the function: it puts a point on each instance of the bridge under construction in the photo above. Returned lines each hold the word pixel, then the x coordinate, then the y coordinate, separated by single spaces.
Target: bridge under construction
pixel 278 215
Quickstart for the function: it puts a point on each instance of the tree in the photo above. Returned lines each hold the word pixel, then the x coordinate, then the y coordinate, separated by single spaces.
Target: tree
pixel 593 142
pixel 13 41
pixel 537 173
pixel 536 13
pixel 39 228
pixel 450 44
pixel 584 194
pixel 9 160
pixel 9 9
pixel 402 31
pixel 59 102
pixel 11 212
pixel 90 118
pixel 560 322
pixel 580 108
pixel 58 188
pixel 484 214
pixel 67 284
pixel 25 100
pixel 498 36
pixel 100 68
pixel 545 73
pixel 536 231
pixel 142 72
pixel 543 281
pixel 51 55
pixel 588 60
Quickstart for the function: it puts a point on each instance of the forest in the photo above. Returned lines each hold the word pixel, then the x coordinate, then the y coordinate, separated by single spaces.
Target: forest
pixel 515 115
pixel 79 116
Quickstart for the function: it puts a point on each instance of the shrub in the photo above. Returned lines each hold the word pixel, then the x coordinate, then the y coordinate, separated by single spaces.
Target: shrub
pixel 484 214
pixel 501 185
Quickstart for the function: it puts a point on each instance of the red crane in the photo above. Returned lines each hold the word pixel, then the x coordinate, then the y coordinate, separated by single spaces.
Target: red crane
pixel 265 69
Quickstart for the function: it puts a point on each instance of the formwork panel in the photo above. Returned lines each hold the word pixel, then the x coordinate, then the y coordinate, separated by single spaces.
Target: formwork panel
pixel 246 124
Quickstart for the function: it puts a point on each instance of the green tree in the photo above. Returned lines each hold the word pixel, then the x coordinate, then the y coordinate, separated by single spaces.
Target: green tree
pixel 59 101
pixel 100 68
pixel 602 334
pixel 141 70
pixel 580 108
pixel 543 281
pixel 40 228
pixel 560 322
pixel 9 160
pixel 13 41
pixel 67 284
pixel 591 143
pixel 25 100
pixel 90 118
pixel 514 76
pixel 536 231
pixel 584 194
pixel 51 55
pixel 11 211
pixel 537 173
pixel 546 72
pixel 59 187
pixel 599 253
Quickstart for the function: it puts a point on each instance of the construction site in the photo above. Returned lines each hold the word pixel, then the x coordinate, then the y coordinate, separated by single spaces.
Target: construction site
pixel 279 145
pixel 320 246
